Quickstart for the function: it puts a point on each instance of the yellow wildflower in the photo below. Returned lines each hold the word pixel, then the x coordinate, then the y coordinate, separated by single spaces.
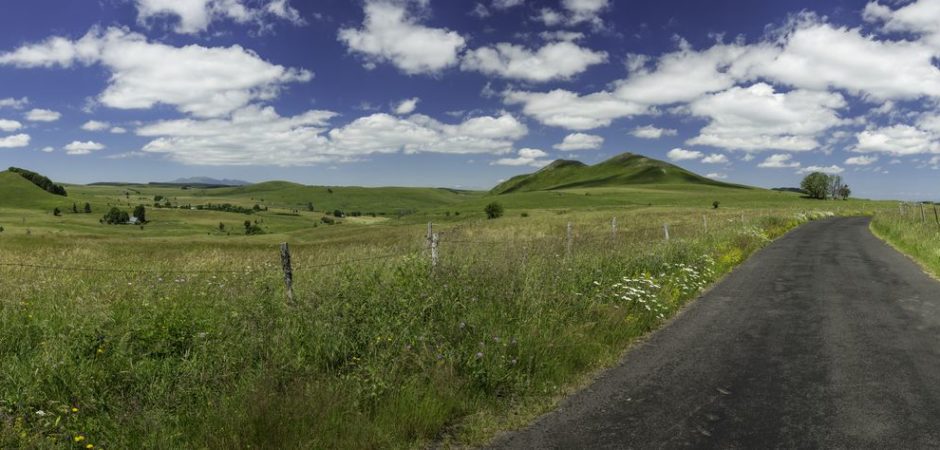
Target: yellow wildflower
pixel 79 438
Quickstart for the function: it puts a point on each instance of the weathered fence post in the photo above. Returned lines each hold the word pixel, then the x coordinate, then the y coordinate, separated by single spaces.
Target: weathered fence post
pixel 923 215
pixel 430 234
pixel 613 228
pixel 900 210
pixel 568 238
pixel 666 230
pixel 288 271
pixel 434 241
pixel 936 215
pixel 705 222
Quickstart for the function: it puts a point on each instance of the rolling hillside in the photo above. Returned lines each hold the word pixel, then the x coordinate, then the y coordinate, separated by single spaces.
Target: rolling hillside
pixel 622 170
pixel 18 192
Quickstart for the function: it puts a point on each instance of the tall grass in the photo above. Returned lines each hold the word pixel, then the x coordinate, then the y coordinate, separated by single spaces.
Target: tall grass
pixel 200 349
pixel 912 231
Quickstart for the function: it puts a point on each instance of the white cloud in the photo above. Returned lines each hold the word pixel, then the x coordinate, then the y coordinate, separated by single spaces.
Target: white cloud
pixel 14 141
pixel 43 115
pixel 757 118
pixel 779 161
pixel 569 110
pixel 554 61
pixel 580 141
pixel 95 125
pixel 896 140
pixel 407 106
pixel 678 154
pixel 83 148
pixel 47 149
pixel 861 160
pixel 9 125
pixel 819 56
pixel 526 157
pixel 652 132
pixel 204 81
pixel 550 17
pixel 195 16
pixel 15 103
pixel 715 158
pixel 389 34
pixel 831 170
pixel 717 176
pixel 259 136
pixel 118 130
pixel 919 17
pixel 506 4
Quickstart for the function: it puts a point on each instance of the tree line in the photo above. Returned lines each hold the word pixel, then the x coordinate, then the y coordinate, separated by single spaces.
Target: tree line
pixel 821 186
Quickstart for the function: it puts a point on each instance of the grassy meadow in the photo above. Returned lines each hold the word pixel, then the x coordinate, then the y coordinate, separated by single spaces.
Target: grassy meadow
pixel 179 335
pixel 913 229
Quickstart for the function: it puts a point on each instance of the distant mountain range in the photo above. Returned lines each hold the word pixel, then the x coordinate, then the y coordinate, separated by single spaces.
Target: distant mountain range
pixel 207 181
pixel 621 170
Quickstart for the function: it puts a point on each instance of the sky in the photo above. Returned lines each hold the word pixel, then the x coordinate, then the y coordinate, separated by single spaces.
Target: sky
pixel 468 93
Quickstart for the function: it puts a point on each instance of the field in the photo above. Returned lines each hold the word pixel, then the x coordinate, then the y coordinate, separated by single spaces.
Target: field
pixel 913 229
pixel 178 334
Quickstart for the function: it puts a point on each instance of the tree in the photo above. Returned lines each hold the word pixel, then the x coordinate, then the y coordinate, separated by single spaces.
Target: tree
pixel 310 206
pixel 715 204
pixel 87 208
pixel 221 227
pixel 57 212
pixel 835 186
pixel 816 185
pixel 39 180
pixel 845 192
pixel 115 216
pixel 140 213
pixel 74 208
pixel 493 210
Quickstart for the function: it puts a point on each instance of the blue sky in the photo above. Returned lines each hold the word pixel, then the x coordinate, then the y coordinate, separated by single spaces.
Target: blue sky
pixel 465 94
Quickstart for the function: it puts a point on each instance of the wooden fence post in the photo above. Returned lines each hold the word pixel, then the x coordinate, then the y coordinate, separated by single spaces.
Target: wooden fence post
pixel 705 222
pixel 666 230
pixel 568 238
pixel 923 215
pixel 288 271
pixel 434 241
pixel 936 215
pixel 613 228
pixel 430 234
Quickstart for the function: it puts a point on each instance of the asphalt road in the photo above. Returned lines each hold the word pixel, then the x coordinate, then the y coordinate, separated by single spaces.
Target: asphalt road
pixel 828 338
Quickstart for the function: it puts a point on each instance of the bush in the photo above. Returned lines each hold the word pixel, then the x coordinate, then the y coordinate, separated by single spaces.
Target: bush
pixel 525 214
pixel 338 213
pixel 493 210
pixel 115 217
pixel 715 204
pixel 327 220
pixel 140 213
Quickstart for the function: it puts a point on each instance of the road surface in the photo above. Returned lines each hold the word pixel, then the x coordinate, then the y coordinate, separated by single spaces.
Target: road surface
pixel 826 338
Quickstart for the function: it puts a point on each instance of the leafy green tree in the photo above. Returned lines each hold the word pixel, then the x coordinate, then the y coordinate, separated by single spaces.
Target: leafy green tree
pixel 39 180
pixel 221 226
pixel 140 213
pixel 115 216
pixel 74 208
pixel 493 210
pixel 816 185
pixel 715 204
pixel 835 186
pixel 57 212
pixel 845 192
pixel 87 208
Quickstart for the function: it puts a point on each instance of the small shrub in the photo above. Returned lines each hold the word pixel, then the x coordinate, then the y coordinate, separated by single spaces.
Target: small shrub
pixel 493 210
pixel 715 204
pixel 525 214
pixel 327 220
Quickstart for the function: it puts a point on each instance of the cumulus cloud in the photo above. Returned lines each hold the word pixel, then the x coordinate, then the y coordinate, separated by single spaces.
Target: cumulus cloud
pixel 15 103
pixel 579 141
pixel 94 125
pixel 679 154
pixel 779 161
pixel 897 140
pixel 758 118
pixel 204 81
pixel 861 160
pixel 831 170
pixel 919 17
pixel 118 130
pixel 407 106
pixel 553 61
pixel 390 34
pixel 717 176
pixel 715 158
pixel 525 157
pixel 83 148
pixel 9 125
pixel 506 4
pixel 195 16
pixel 575 12
pixel 43 115
pixel 47 149
pixel 652 132
pixel 14 141
pixel 566 109
pixel 260 136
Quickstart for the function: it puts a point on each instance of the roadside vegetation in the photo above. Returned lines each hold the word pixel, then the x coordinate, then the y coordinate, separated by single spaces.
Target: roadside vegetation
pixel 913 228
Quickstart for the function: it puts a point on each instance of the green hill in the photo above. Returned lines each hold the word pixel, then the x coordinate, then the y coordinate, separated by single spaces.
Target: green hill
pixel 18 192
pixel 347 198
pixel 622 170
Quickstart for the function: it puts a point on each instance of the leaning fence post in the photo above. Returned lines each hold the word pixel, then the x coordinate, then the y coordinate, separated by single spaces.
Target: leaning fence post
pixel 434 241
pixel 288 271
pixel 666 230
pixel 568 240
